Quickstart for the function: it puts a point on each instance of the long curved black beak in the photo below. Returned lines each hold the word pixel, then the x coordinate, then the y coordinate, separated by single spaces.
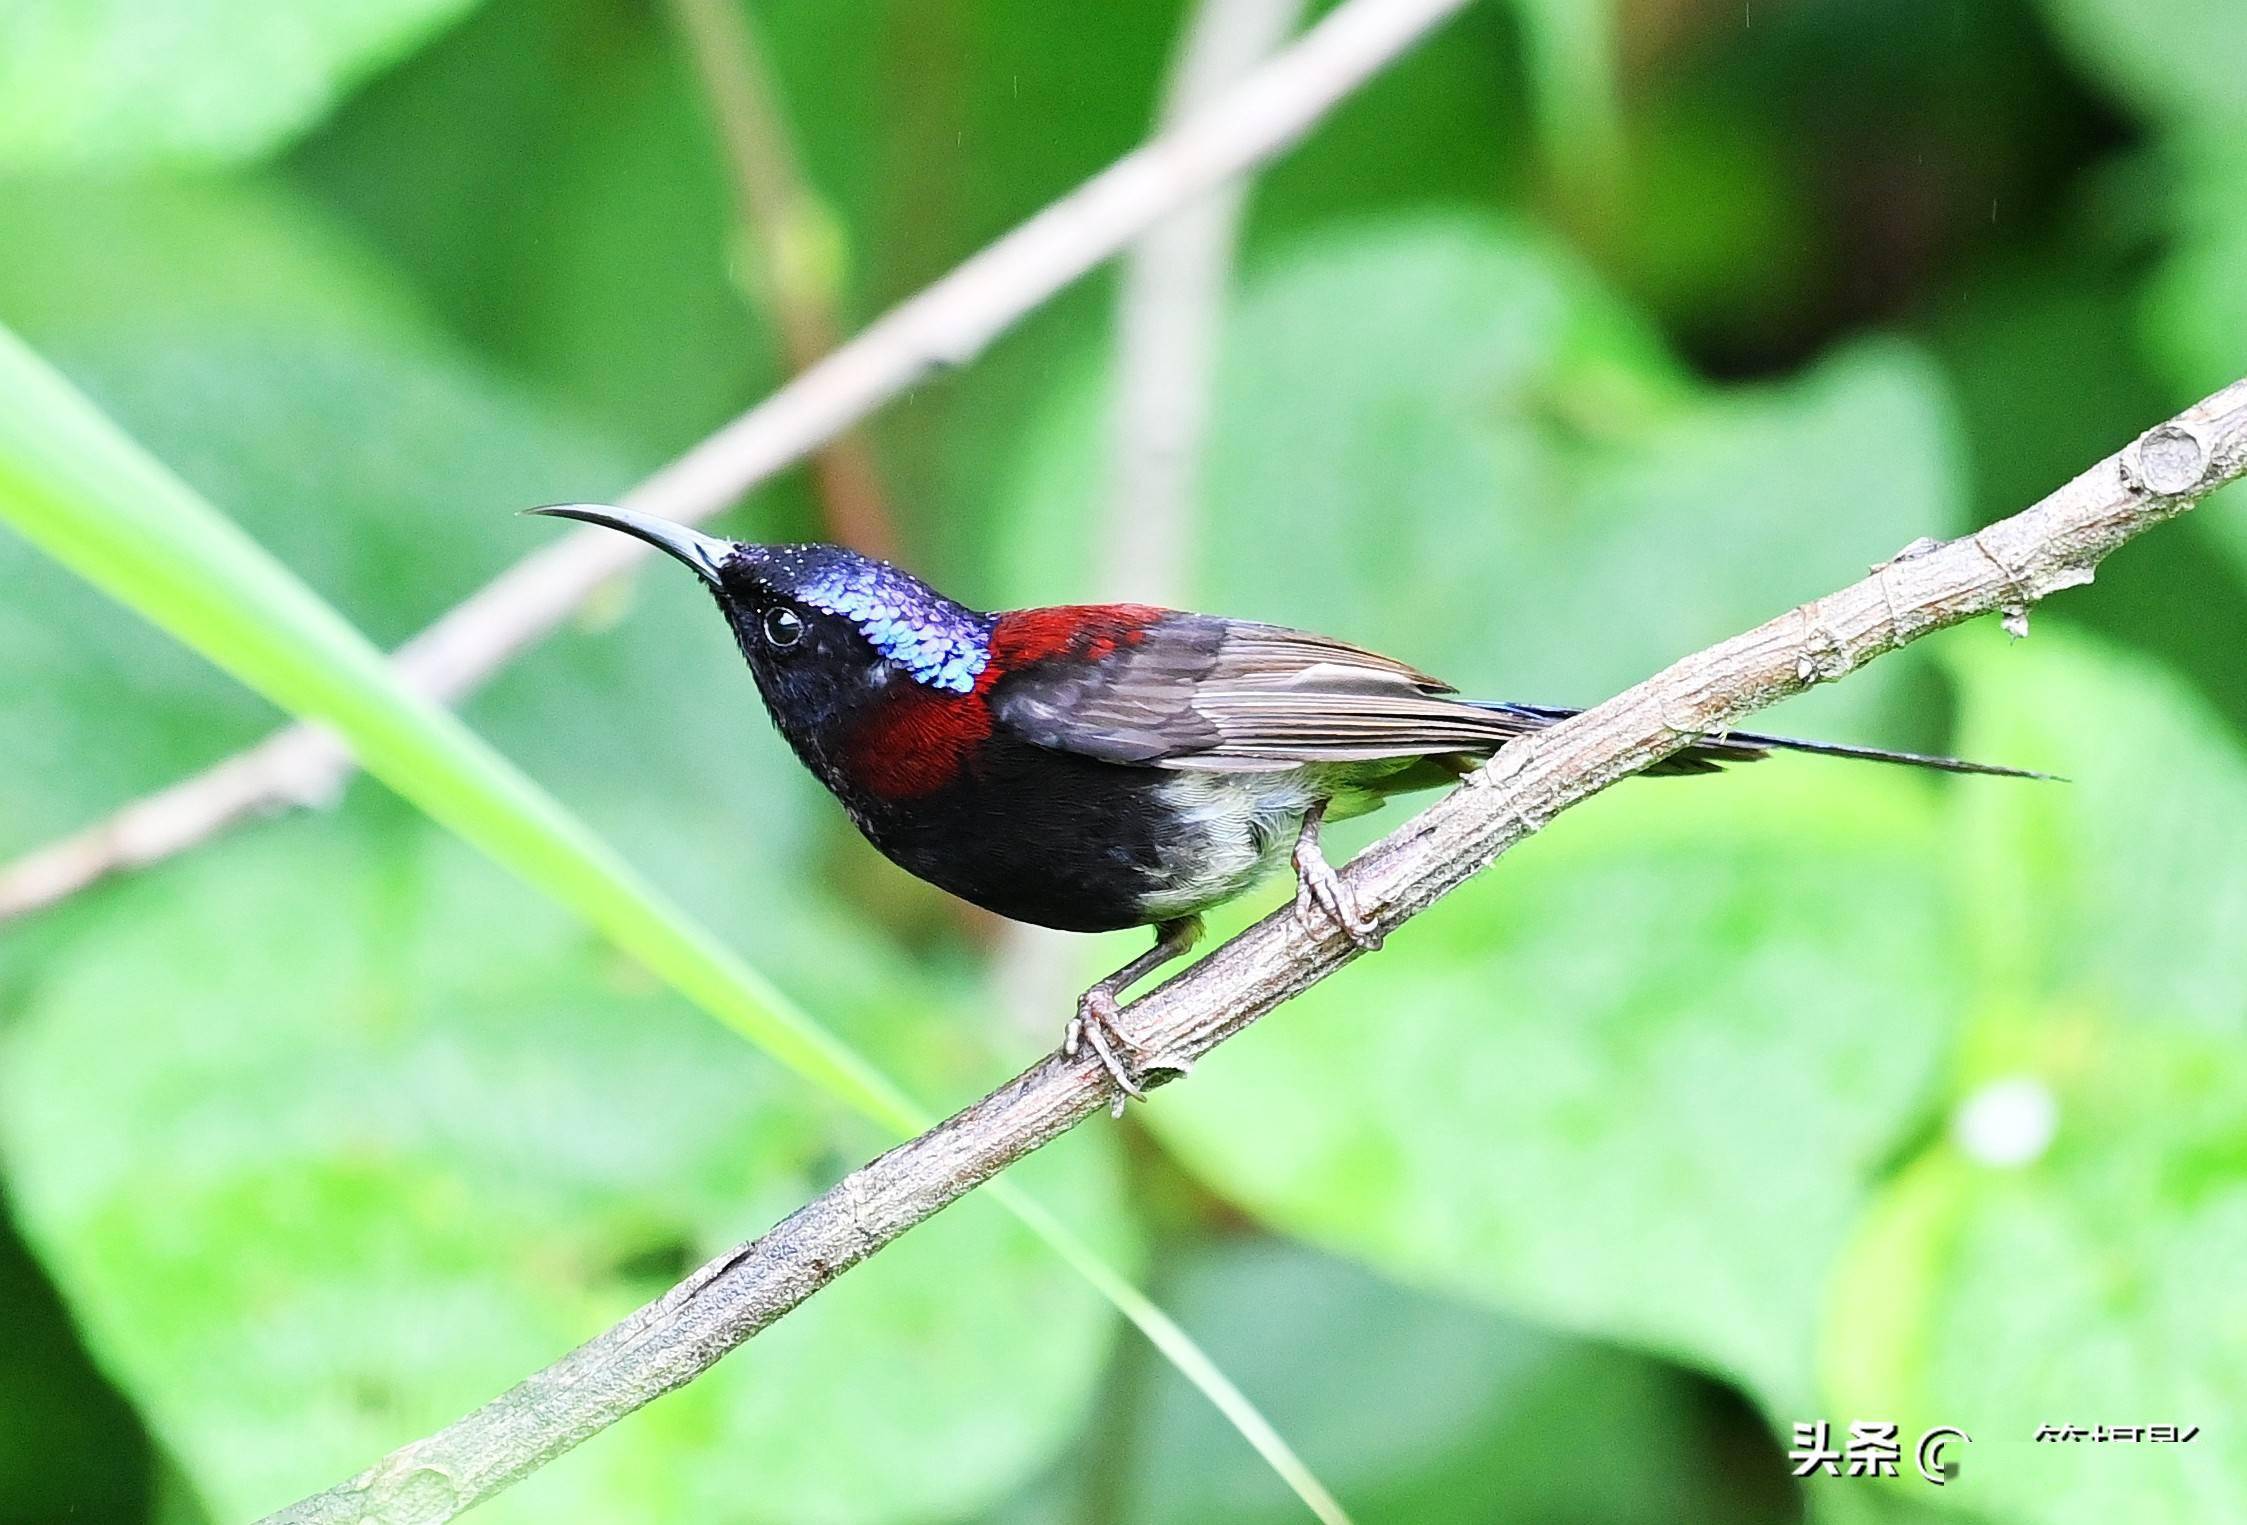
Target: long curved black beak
pixel 705 553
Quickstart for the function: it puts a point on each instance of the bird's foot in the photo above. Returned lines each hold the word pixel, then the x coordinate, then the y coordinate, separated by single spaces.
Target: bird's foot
pixel 1323 901
pixel 1095 1026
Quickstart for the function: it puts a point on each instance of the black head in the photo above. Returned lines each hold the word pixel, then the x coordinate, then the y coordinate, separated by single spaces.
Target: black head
pixel 824 629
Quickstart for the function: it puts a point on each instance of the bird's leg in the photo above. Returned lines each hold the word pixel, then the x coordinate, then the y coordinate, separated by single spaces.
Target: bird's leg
pixel 1321 898
pixel 1094 1025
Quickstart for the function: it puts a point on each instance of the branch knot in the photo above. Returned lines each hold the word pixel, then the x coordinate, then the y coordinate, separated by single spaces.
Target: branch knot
pixel 2168 460
pixel 1822 655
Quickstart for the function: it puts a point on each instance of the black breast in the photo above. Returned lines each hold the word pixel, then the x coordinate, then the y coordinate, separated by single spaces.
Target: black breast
pixel 1036 835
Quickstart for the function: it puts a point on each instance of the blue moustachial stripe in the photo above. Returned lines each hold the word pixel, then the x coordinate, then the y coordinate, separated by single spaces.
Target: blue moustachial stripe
pixel 940 643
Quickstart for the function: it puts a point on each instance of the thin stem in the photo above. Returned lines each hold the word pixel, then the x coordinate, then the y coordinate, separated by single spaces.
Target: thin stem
pixel 1168 318
pixel 1569 50
pixel 793 241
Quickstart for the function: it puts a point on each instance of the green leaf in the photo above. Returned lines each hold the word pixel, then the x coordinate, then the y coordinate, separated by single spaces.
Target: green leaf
pixel 1636 1083
pixel 1426 1409
pixel 401 1140
pixel 229 329
pixel 2008 322
pixel 2195 310
pixel 2195 314
pixel 70 1446
pixel 113 83
pixel 2174 61
pixel 2076 1266
pixel 2110 890
pixel 648 333
pixel 2096 1285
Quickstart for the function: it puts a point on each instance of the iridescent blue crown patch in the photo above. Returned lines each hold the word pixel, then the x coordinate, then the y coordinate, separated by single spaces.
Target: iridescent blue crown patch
pixel 941 644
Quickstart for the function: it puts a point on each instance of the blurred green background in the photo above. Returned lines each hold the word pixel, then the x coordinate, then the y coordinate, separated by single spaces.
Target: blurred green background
pixel 1582 338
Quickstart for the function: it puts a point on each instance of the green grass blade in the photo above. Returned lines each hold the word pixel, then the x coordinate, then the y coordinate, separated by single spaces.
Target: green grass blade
pixel 1177 1347
pixel 75 485
pixel 80 488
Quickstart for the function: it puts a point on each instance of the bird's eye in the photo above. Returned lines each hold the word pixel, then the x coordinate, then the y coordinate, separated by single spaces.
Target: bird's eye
pixel 783 627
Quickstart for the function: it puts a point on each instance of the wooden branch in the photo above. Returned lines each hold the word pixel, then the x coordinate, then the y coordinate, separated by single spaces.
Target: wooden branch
pixel 2005 568
pixel 947 325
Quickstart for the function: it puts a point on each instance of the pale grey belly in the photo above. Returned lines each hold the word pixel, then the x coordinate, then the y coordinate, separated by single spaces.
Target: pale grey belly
pixel 1239 827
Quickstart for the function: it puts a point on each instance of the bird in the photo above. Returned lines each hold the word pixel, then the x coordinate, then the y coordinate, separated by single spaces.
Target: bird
pixel 1094 767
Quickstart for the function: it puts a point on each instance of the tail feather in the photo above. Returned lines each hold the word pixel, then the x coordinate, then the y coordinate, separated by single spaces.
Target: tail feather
pixel 1715 751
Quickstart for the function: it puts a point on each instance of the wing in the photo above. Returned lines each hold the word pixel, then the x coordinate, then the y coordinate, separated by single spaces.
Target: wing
pixel 1130 684
pixel 1133 685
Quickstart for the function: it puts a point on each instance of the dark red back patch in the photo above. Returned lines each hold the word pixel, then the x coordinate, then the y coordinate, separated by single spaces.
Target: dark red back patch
pixel 922 739
pixel 1080 632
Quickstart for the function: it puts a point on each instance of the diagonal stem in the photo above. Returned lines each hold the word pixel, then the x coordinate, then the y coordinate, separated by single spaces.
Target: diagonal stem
pixel 793 243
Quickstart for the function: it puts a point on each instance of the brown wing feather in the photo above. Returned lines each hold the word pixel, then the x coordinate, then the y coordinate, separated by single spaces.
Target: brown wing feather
pixel 1196 691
